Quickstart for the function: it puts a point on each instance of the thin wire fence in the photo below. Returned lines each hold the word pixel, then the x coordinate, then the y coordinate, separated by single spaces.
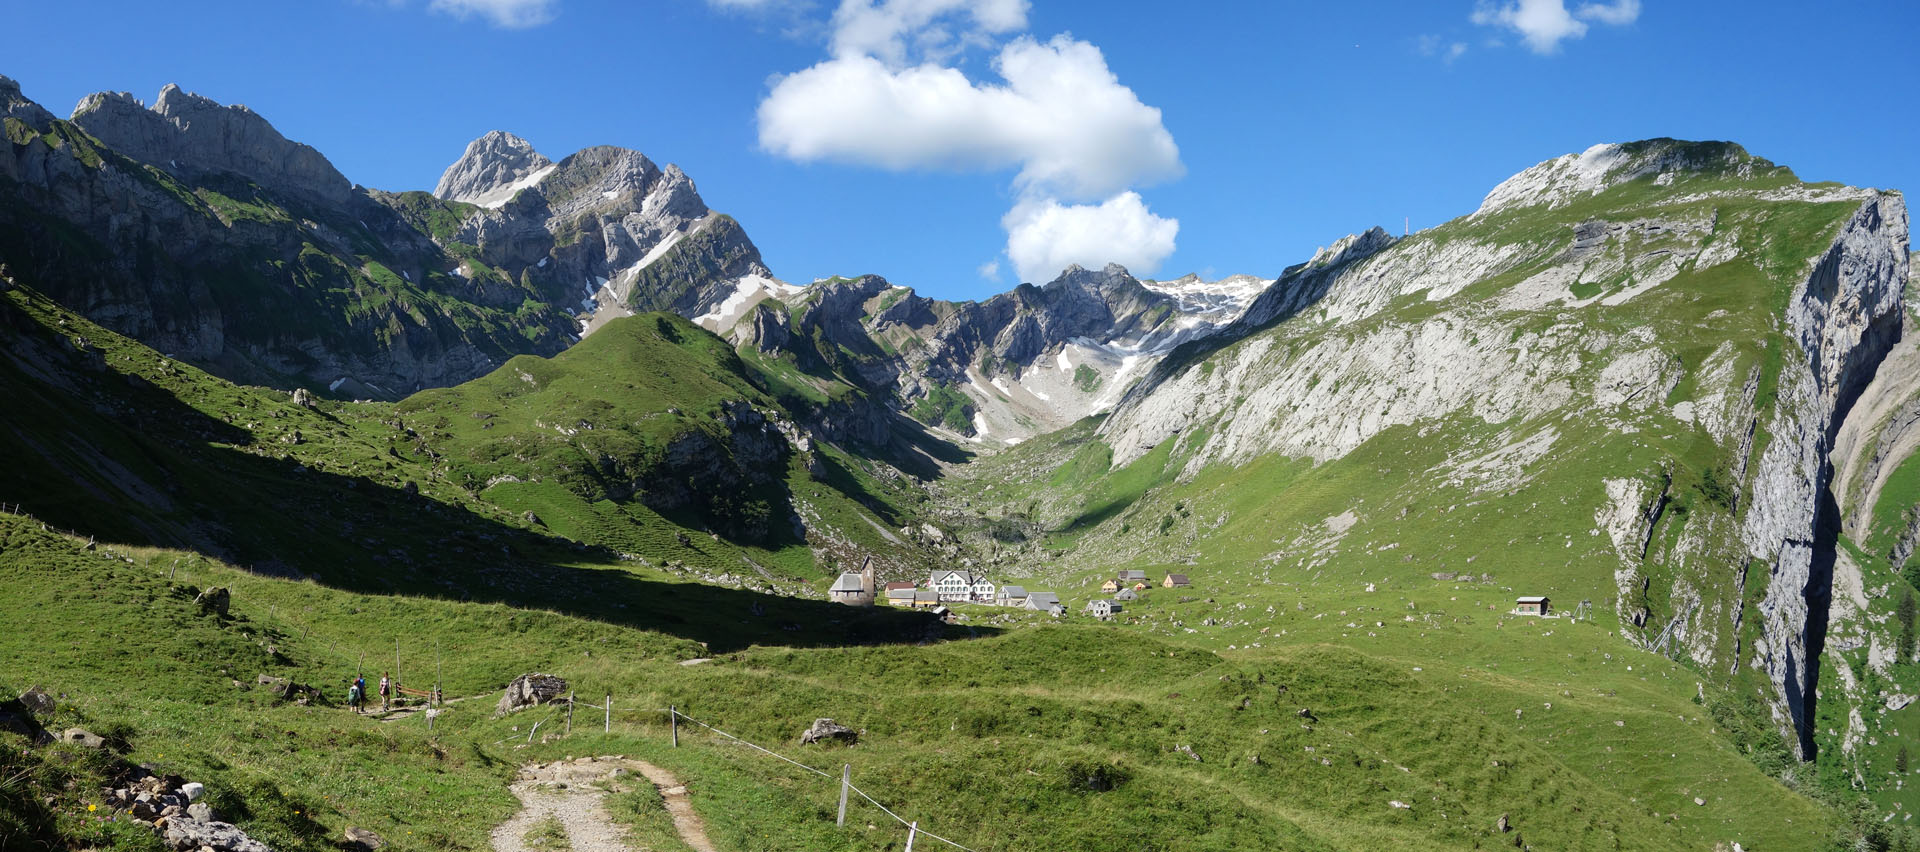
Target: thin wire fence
pixel 913 827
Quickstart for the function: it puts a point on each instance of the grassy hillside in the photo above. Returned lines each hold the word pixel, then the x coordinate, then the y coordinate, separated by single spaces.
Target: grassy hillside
pixel 1047 737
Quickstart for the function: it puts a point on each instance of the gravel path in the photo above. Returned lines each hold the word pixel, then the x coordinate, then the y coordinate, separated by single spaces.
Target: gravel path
pixel 571 792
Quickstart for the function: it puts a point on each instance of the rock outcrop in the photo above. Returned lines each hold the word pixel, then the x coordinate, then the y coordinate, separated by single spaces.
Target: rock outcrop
pixel 193 136
pixel 494 167
pixel 1843 319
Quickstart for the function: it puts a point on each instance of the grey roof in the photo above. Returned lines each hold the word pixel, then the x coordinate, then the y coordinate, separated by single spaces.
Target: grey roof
pixel 900 594
pixel 925 595
pixel 1042 600
pixel 1127 595
pixel 1013 591
pixel 1133 574
pixel 1533 599
pixel 937 576
pixel 847 583
pixel 1179 579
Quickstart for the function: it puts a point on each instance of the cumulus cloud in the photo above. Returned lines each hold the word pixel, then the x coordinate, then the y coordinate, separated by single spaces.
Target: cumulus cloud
pixel 890 96
pixel 1044 236
pixel 1543 24
pixel 1061 117
pixel 511 14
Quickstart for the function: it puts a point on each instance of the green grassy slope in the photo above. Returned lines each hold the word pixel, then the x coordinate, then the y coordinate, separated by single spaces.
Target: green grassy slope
pixel 1051 737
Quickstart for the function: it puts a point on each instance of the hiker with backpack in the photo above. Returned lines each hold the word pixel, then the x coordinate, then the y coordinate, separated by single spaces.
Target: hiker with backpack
pixel 386 692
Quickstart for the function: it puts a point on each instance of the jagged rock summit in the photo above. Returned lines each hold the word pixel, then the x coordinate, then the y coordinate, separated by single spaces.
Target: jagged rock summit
pixel 190 135
pixel 494 168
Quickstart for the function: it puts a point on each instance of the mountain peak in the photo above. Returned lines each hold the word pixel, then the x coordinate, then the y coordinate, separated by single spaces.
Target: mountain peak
pixel 188 132
pixel 494 168
pixel 1564 179
pixel 13 104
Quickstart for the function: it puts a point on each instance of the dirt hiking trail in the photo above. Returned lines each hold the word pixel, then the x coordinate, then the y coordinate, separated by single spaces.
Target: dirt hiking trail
pixel 571 792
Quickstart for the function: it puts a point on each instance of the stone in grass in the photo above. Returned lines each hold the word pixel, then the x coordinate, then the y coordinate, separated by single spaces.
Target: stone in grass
pixel 37 702
pixel 364 839
pixel 829 730
pixel 186 833
pixel 83 738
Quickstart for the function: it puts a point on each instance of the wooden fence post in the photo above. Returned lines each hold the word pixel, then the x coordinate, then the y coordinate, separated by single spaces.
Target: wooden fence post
pixel 673 724
pixel 606 726
pixel 569 714
pixel 846 780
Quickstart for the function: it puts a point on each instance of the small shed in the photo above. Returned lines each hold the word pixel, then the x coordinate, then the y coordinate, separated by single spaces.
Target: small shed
pixel 1042 601
pixel 1126 595
pixel 1133 575
pixel 901 597
pixel 1110 586
pixel 926 598
pixel 1102 608
pixel 1011 596
pixel 1532 605
pixel 1176 581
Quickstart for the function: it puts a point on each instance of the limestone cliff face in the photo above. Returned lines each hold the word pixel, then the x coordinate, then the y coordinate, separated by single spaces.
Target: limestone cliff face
pixel 191 135
pixel 1843 320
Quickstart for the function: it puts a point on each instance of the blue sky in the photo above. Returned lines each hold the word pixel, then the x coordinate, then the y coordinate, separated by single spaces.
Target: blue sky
pixel 951 144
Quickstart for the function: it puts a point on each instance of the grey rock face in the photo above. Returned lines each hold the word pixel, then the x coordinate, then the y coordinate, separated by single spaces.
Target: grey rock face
pixel 13 104
pixel 1845 317
pixel 487 174
pixel 188 134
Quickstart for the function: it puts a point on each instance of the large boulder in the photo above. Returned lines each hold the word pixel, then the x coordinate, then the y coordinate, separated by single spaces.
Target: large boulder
pixel 214 601
pixel 529 690
pixel 831 731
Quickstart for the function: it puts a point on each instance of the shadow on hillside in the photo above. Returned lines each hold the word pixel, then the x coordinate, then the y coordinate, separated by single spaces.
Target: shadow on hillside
pixel 113 456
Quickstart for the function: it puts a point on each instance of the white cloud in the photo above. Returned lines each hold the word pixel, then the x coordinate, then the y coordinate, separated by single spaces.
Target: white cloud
pixel 1618 13
pixel 990 270
pixel 883 29
pixel 1061 116
pixel 1543 24
pixel 1044 236
pixel 1435 46
pixel 511 14
pixel 890 96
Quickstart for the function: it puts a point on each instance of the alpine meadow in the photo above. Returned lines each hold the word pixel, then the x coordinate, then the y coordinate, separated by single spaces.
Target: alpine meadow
pixel 538 511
